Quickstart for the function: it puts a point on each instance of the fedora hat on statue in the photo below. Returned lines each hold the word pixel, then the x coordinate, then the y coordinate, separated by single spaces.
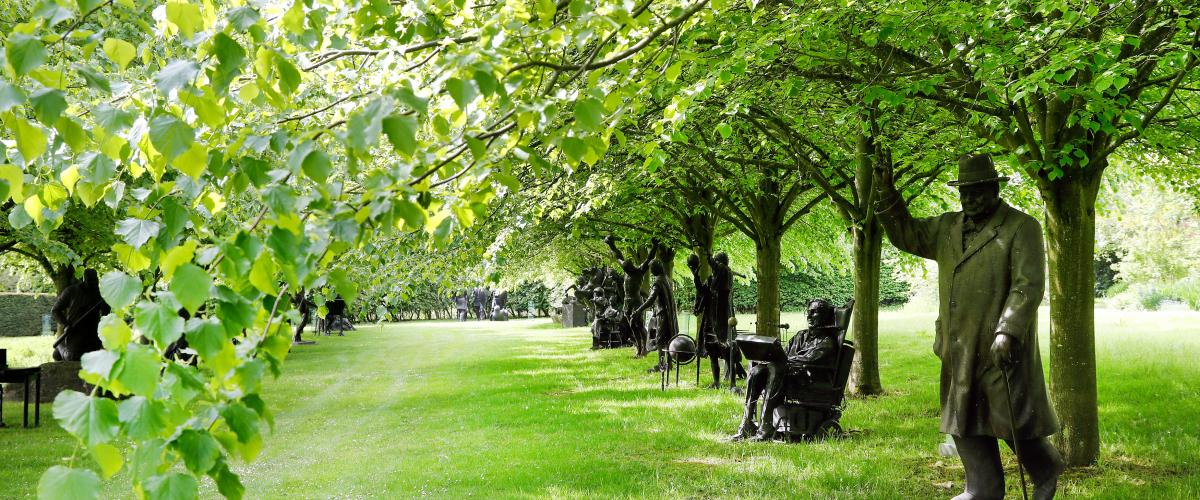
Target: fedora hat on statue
pixel 976 170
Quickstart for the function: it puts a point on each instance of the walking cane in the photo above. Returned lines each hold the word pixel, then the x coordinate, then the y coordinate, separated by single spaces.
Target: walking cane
pixel 1012 428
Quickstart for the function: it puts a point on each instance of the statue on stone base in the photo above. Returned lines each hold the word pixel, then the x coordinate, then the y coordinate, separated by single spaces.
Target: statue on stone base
pixel 632 290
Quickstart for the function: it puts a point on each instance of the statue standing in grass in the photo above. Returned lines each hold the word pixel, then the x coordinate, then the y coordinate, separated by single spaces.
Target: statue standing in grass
pixel 991 263
pixel 720 286
pixel 632 288
pixel 663 299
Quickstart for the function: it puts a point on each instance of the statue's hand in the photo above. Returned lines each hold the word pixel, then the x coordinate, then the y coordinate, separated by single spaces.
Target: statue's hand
pixel 1003 349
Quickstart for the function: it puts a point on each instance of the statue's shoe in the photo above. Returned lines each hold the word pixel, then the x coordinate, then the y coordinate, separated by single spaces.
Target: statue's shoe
pixel 744 433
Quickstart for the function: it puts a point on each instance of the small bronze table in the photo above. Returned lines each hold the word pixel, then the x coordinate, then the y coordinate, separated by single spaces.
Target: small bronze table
pixel 23 376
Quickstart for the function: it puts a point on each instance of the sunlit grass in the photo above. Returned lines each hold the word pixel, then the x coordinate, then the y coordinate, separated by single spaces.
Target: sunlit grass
pixel 518 409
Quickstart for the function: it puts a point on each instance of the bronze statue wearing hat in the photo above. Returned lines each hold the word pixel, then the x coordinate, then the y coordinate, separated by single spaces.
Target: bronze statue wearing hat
pixel 991 263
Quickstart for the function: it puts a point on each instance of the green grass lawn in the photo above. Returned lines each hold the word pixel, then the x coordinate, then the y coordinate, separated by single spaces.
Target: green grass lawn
pixel 524 409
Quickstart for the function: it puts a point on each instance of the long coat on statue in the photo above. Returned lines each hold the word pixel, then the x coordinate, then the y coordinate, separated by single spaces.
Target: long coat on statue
pixel 993 285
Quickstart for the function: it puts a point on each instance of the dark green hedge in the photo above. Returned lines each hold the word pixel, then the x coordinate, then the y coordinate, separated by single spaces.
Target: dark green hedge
pixel 797 288
pixel 22 313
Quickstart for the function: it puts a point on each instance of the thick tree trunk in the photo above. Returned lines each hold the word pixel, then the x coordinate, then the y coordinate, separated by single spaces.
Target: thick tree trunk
pixel 767 272
pixel 868 244
pixel 1070 242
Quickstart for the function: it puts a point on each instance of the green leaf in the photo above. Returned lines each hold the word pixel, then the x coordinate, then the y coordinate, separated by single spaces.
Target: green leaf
pixel 316 166
pixel 112 119
pixel 574 148
pixel 401 130
pixel 119 51
pixel 343 284
pixel 143 418
pixel 119 289
pixel 10 96
pixel 98 363
pixel 31 140
pixel 94 79
pixel 63 482
pixel 138 370
pixel 289 76
pixel 413 215
pixel 463 91
pixel 173 486
pixel 206 336
pixel 52 12
pixel 136 232
pixel 242 420
pixel 24 53
pixel 108 458
pixel 185 16
pixel 159 323
pixel 725 130
pixel 176 74
pixel 228 483
pixel 170 135
pixel 486 82
pixel 199 450
pixel 91 419
pixel 193 161
pixel 191 286
pixel 262 274
pixel 242 18
pixel 589 114
pixel 230 58
pixel 114 333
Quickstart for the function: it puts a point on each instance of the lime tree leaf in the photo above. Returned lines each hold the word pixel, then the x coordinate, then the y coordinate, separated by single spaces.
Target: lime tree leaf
pixel 10 96
pixel 316 166
pixel 191 286
pixel 136 232
pixel 262 274
pixel 91 419
pixel 109 458
pixel 574 148
pixel 138 369
pixel 24 52
pixel 589 114
pixel 31 140
pixel 63 482
pixel 206 336
pixel 158 323
pixel 243 17
pixel 289 76
pixel 228 483
pixel 401 131
pixel 119 51
pixel 173 486
pixel 119 289
pixel 176 74
pixel 170 135
pixel 185 16
pixel 199 450
pixel 143 418
pixel 114 333
pixel 193 161
pixel 230 58
pixel 16 181
pixel 463 91
pixel 98 363
pixel 112 119
pixel 53 13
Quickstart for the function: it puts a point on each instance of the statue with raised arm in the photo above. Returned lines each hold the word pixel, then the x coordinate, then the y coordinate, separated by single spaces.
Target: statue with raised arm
pixel 991 263
pixel 632 290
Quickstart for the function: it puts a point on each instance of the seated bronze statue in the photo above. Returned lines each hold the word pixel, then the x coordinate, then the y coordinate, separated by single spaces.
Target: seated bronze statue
pixel 810 350
pixel 607 326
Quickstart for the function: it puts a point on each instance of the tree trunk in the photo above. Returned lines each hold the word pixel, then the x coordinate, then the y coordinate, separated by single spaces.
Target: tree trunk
pixel 63 276
pixel 767 272
pixel 868 244
pixel 666 255
pixel 1070 242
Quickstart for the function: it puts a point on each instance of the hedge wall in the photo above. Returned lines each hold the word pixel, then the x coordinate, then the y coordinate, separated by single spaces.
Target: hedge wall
pixel 797 288
pixel 22 313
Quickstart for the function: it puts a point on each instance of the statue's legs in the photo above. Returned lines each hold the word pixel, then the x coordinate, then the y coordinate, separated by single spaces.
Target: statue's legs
pixel 756 385
pixel 1043 463
pixel 772 398
pixel 981 458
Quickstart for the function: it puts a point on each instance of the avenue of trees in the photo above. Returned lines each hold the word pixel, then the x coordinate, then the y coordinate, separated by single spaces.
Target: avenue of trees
pixel 222 156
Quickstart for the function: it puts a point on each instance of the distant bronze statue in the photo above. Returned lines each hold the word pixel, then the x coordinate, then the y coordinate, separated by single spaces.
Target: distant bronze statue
pixel 810 349
pixel 79 309
pixel 992 273
pixel 500 306
pixel 720 286
pixel 704 311
pixel 632 291
pixel 479 302
pixel 460 305
pixel 666 319
pixel 305 305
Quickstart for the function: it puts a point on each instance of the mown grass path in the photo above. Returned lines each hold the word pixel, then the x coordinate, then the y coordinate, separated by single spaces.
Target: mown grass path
pixel 522 409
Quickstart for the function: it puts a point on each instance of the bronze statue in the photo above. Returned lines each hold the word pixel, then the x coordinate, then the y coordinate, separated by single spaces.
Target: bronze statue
pixel 460 305
pixel 632 288
pixel 305 305
pixel 478 302
pixel 704 311
pixel 809 349
pixel 992 272
pixel 79 309
pixel 720 286
pixel 666 320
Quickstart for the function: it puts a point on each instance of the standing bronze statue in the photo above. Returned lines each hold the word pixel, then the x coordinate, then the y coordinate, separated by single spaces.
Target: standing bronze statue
pixel 721 289
pixel 632 288
pixel 991 263
pixel 79 309
pixel 705 311
pixel 666 319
